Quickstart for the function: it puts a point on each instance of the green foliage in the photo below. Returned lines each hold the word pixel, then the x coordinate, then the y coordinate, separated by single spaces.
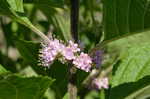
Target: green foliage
pixel 130 90
pixel 130 67
pixel 14 9
pixel 2 69
pixel 29 50
pixel 129 70
pixel 16 87
pixel 46 3
pixel 59 72
pixel 126 17
pixel 60 23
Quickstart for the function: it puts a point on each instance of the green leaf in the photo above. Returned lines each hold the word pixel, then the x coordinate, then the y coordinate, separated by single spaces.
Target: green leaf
pixel 2 69
pixel 47 3
pixel 15 87
pixel 92 95
pixel 7 63
pixel 141 94
pixel 14 9
pixel 125 17
pixel 58 20
pixel 66 96
pixel 5 8
pixel 29 50
pixel 130 90
pixel 63 25
pixel 54 16
pixel 133 65
pixel 59 72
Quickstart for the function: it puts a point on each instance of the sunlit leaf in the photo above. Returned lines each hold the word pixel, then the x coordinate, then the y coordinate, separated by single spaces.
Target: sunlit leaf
pixel 46 3
pixel 2 69
pixel 130 70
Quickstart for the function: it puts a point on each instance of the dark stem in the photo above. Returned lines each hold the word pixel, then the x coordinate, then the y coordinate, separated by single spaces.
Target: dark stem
pixel 74 19
pixel 72 89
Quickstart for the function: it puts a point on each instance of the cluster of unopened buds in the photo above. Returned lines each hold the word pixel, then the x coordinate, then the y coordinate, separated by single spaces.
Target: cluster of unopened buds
pixel 55 49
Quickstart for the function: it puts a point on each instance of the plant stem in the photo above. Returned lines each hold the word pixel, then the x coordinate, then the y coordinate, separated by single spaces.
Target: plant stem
pixel 72 89
pixel 38 32
pixel 74 19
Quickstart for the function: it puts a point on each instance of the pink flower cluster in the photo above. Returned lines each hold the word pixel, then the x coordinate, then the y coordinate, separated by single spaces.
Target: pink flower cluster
pixel 100 83
pixel 83 62
pixel 49 52
pixel 55 49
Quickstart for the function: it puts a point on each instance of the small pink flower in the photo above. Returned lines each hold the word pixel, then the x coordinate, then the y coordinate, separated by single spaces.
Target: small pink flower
pixel 68 53
pixel 57 45
pixel 49 52
pixel 74 46
pixel 47 55
pixel 101 83
pixel 83 62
